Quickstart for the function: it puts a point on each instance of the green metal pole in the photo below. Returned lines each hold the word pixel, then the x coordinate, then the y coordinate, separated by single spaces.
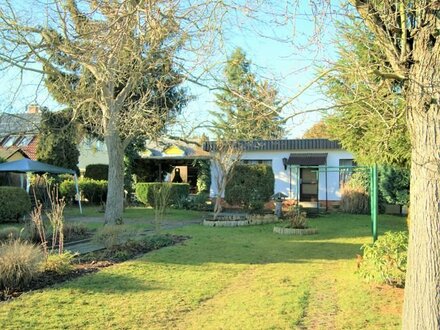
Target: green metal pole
pixel 374 200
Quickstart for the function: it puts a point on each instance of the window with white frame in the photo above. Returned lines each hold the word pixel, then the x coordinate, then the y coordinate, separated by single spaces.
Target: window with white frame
pixel 9 141
pixel 345 173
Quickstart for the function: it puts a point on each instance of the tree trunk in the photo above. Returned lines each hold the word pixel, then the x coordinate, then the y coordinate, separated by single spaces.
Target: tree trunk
pixel 422 292
pixel 115 193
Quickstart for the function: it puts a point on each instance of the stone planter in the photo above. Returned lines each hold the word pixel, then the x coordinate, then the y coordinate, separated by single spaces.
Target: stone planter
pixel 295 231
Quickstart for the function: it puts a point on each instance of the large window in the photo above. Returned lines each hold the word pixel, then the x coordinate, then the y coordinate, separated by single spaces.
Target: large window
pixel 345 173
pixel 257 161
pixel 9 141
pixel 25 140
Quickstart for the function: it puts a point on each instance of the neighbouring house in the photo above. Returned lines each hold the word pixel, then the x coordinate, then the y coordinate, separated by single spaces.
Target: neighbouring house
pixel 19 135
pixel 303 168
pixel 171 160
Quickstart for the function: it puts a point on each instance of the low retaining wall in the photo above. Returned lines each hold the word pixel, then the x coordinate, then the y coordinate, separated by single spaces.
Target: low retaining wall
pixel 295 231
pixel 239 221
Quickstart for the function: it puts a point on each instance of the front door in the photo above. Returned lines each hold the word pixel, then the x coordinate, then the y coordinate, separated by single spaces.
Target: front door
pixel 309 185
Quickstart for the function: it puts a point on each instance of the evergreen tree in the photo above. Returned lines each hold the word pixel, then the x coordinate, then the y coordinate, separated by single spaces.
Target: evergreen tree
pixel 57 143
pixel 369 119
pixel 248 108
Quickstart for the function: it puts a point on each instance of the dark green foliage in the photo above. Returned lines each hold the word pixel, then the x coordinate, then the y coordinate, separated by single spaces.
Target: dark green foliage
pixel 131 154
pixel 198 202
pixel 144 192
pixel 248 108
pixel 58 140
pixel 369 118
pixel 95 191
pixel 204 175
pixel 250 185
pixel 385 260
pixel 96 172
pixel 14 203
pixel 8 233
pixel 394 184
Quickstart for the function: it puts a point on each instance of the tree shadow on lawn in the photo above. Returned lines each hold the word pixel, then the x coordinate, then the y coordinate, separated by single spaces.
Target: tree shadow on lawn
pixel 248 249
pixel 108 282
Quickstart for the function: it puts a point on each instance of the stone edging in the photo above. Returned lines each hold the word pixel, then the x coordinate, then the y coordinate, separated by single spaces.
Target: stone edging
pixel 295 231
pixel 239 223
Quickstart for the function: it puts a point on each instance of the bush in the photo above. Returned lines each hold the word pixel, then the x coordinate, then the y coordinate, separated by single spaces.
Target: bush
pixel 385 260
pixel 74 231
pixel 145 192
pixel 95 191
pixel 296 217
pixel 19 263
pixel 97 172
pixel 250 186
pixel 7 233
pixel 59 263
pixel 14 203
pixel 355 200
pixel 111 236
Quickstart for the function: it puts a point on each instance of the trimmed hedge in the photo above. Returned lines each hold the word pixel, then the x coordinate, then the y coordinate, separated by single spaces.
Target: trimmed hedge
pixel 95 191
pixel 250 186
pixel 14 203
pixel 144 192
pixel 96 172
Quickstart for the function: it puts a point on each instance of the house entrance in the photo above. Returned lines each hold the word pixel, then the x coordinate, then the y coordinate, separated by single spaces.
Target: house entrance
pixel 308 185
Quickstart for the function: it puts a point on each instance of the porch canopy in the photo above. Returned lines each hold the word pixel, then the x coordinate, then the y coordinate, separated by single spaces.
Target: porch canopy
pixel 28 166
pixel 307 159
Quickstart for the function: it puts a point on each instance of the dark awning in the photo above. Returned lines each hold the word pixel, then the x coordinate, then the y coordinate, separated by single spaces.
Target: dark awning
pixel 307 159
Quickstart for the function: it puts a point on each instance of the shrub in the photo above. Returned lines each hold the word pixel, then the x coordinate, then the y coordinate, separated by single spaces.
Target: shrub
pixel 59 263
pixel 111 236
pixel 7 233
pixel 97 172
pixel 14 203
pixel 95 191
pixel 73 231
pixel 145 192
pixel 385 260
pixel 296 217
pixel 250 185
pixel 355 200
pixel 19 263
pixel 204 175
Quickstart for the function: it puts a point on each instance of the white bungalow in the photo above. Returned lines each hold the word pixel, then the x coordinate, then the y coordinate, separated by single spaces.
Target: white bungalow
pixel 312 184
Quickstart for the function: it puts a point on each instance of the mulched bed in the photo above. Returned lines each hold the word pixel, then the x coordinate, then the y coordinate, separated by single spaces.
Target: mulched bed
pixel 92 262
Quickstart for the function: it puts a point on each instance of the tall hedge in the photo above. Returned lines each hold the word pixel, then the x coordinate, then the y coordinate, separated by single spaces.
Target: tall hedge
pixel 95 191
pixel 14 203
pixel 96 172
pixel 144 192
pixel 250 184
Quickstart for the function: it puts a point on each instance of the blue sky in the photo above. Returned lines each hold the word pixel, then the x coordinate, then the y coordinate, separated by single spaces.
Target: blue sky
pixel 290 64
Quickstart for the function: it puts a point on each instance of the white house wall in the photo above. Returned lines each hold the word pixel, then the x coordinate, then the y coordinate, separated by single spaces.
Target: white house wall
pixel 282 176
pixel 91 154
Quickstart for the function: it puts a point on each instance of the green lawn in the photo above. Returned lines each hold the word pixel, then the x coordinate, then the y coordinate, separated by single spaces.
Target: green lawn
pixel 137 218
pixel 226 278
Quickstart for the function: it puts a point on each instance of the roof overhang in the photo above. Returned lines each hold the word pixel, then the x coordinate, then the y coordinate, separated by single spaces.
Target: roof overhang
pixel 307 159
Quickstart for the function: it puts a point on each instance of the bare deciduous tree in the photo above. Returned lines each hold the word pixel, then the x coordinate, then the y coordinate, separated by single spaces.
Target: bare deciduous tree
pixel 113 62
pixel 225 156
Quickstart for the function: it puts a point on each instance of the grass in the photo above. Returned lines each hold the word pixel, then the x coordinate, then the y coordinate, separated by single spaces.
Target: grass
pixel 138 218
pixel 226 278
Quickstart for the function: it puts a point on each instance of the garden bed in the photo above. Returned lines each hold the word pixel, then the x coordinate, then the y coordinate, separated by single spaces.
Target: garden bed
pixel 295 231
pixel 240 220
pixel 94 261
